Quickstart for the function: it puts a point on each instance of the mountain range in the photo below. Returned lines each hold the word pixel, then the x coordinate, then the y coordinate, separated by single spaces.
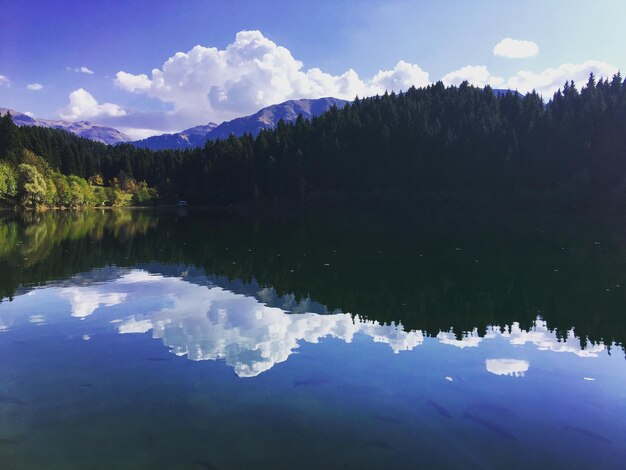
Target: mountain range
pixel 86 129
pixel 266 118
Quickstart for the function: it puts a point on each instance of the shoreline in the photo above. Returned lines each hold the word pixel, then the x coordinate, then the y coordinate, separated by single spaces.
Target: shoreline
pixel 378 200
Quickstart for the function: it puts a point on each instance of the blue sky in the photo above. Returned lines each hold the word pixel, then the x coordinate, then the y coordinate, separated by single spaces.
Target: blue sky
pixel 292 49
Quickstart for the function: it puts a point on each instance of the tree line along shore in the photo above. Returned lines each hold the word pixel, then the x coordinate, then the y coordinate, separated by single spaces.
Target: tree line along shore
pixel 435 143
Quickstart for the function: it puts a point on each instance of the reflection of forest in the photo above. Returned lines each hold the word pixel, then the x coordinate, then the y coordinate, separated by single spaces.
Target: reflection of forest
pixel 36 247
pixel 432 273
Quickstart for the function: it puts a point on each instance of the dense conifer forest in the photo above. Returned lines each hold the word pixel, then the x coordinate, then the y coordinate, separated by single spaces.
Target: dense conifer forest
pixel 437 143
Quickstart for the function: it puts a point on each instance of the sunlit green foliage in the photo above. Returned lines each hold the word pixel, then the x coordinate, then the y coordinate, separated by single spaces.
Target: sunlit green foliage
pixel 143 195
pixel 33 184
pixel 33 189
pixel 8 181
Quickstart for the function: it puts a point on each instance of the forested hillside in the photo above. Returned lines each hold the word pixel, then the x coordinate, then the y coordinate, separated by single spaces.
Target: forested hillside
pixel 28 180
pixel 435 142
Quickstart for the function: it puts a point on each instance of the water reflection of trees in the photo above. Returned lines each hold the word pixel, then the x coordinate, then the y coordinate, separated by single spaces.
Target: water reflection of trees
pixel 37 247
pixel 432 273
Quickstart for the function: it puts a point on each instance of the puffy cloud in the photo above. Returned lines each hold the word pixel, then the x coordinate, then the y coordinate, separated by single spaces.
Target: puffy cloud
pixel 515 49
pixel 206 83
pixel 130 82
pixel 477 75
pixel 4 80
pixel 545 83
pixel 512 367
pixel 551 79
pixel 210 84
pixel 83 105
pixel 195 101
pixel 403 76
pixel 34 86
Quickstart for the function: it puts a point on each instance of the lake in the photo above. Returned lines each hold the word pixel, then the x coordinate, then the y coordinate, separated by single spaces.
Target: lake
pixel 380 338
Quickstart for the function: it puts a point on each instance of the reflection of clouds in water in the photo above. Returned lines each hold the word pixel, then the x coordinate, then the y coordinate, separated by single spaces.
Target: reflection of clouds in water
pixel 545 339
pixel 512 367
pixel 134 326
pixel 86 300
pixel 213 323
pixel 468 340
pixel 206 322
pixel 136 276
pixel 209 323
pixel 539 335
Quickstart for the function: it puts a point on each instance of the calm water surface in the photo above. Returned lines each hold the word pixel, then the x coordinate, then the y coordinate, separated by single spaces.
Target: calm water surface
pixel 386 339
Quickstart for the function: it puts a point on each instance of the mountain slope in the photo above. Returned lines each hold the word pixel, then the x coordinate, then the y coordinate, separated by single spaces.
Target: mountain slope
pixel 106 135
pixel 266 118
pixel 189 138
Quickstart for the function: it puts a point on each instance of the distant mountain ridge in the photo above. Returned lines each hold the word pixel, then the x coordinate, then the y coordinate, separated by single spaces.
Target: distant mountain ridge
pixel 189 138
pixel 106 135
pixel 266 118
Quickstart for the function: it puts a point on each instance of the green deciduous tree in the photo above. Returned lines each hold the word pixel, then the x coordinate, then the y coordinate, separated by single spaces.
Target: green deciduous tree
pixel 32 189
pixel 8 182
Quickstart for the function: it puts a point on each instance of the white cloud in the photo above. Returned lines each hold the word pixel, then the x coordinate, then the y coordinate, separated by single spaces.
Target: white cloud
pixel 136 133
pixel 511 367
pixel 85 301
pixel 403 76
pixel 210 84
pixel 130 82
pixel 545 83
pixel 206 83
pixel 83 105
pixel 34 86
pixel 470 339
pixel 546 340
pixel 477 75
pixel 29 114
pixel 133 325
pixel 82 69
pixel 4 80
pixel 85 70
pixel 551 79
pixel 515 48
pixel 539 335
pixel 37 319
